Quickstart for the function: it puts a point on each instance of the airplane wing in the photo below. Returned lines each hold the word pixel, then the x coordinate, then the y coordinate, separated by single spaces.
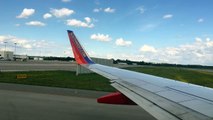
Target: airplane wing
pixel 163 98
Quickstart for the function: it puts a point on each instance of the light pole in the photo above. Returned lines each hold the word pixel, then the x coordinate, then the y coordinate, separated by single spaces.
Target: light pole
pixel 5 47
pixel 15 48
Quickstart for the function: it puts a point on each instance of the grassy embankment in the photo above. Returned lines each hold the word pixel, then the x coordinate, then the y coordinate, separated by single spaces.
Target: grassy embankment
pixel 93 81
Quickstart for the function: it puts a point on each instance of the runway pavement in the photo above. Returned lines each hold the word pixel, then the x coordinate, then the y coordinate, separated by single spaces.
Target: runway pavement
pixel 25 102
pixel 36 65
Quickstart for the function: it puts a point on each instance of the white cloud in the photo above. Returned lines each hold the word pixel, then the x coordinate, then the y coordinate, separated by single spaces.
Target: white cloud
pixel 3 38
pixel 197 39
pixel 66 1
pixel 26 13
pixel 122 42
pixel 141 9
pixel 88 20
pixel 200 20
pixel 12 39
pixel 100 37
pixel 209 43
pixel 77 23
pixel 106 10
pixel 123 56
pixel 35 23
pixel 167 16
pixel 208 39
pixel 148 27
pixel 97 2
pixel 198 52
pixel 109 10
pixel 47 15
pixel 172 51
pixel 147 48
pixel 68 52
pixel 97 9
pixel 63 12
pixel 17 25
pixel 27 46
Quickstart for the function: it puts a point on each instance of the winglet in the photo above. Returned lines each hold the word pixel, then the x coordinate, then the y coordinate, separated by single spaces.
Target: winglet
pixel 80 55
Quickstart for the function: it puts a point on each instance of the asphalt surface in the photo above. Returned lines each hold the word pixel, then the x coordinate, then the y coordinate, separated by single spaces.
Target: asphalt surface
pixel 25 102
pixel 36 65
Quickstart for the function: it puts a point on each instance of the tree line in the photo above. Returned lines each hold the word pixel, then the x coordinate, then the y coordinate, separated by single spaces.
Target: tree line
pixel 129 62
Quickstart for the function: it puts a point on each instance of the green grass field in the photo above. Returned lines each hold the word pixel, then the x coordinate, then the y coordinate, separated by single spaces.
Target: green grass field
pixel 67 79
pixel 199 77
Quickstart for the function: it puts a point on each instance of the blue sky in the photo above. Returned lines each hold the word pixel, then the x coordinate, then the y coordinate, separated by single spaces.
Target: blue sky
pixel 175 31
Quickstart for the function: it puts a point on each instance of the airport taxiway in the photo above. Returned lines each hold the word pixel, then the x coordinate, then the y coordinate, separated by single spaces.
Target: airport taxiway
pixel 25 102
pixel 36 65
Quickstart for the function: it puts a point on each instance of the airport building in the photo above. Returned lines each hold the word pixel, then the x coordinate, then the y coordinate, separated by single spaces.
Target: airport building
pixel 6 55
pixel 21 57
pixel 9 55
pixel 38 58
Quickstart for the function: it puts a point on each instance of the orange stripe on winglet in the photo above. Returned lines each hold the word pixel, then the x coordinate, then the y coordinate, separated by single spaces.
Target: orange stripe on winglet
pixel 77 54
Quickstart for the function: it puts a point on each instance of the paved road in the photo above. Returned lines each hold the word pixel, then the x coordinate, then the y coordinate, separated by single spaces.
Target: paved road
pixel 36 65
pixel 23 102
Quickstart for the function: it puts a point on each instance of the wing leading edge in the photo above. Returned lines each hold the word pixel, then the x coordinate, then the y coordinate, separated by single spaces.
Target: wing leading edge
pixel 163 98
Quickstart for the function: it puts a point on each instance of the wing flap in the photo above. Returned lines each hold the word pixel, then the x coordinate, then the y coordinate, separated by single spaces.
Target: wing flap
pixel 146 104
pixel 164 97
pixel 160 107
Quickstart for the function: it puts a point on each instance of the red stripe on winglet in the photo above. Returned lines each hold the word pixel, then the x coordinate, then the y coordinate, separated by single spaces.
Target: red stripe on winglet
pixel 77 54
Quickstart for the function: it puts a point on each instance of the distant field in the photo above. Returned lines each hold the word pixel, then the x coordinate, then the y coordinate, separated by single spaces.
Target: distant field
pixel 198 76
pixel 68 79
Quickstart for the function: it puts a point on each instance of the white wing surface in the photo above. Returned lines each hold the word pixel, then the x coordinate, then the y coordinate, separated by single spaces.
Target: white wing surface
pixel 163 98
